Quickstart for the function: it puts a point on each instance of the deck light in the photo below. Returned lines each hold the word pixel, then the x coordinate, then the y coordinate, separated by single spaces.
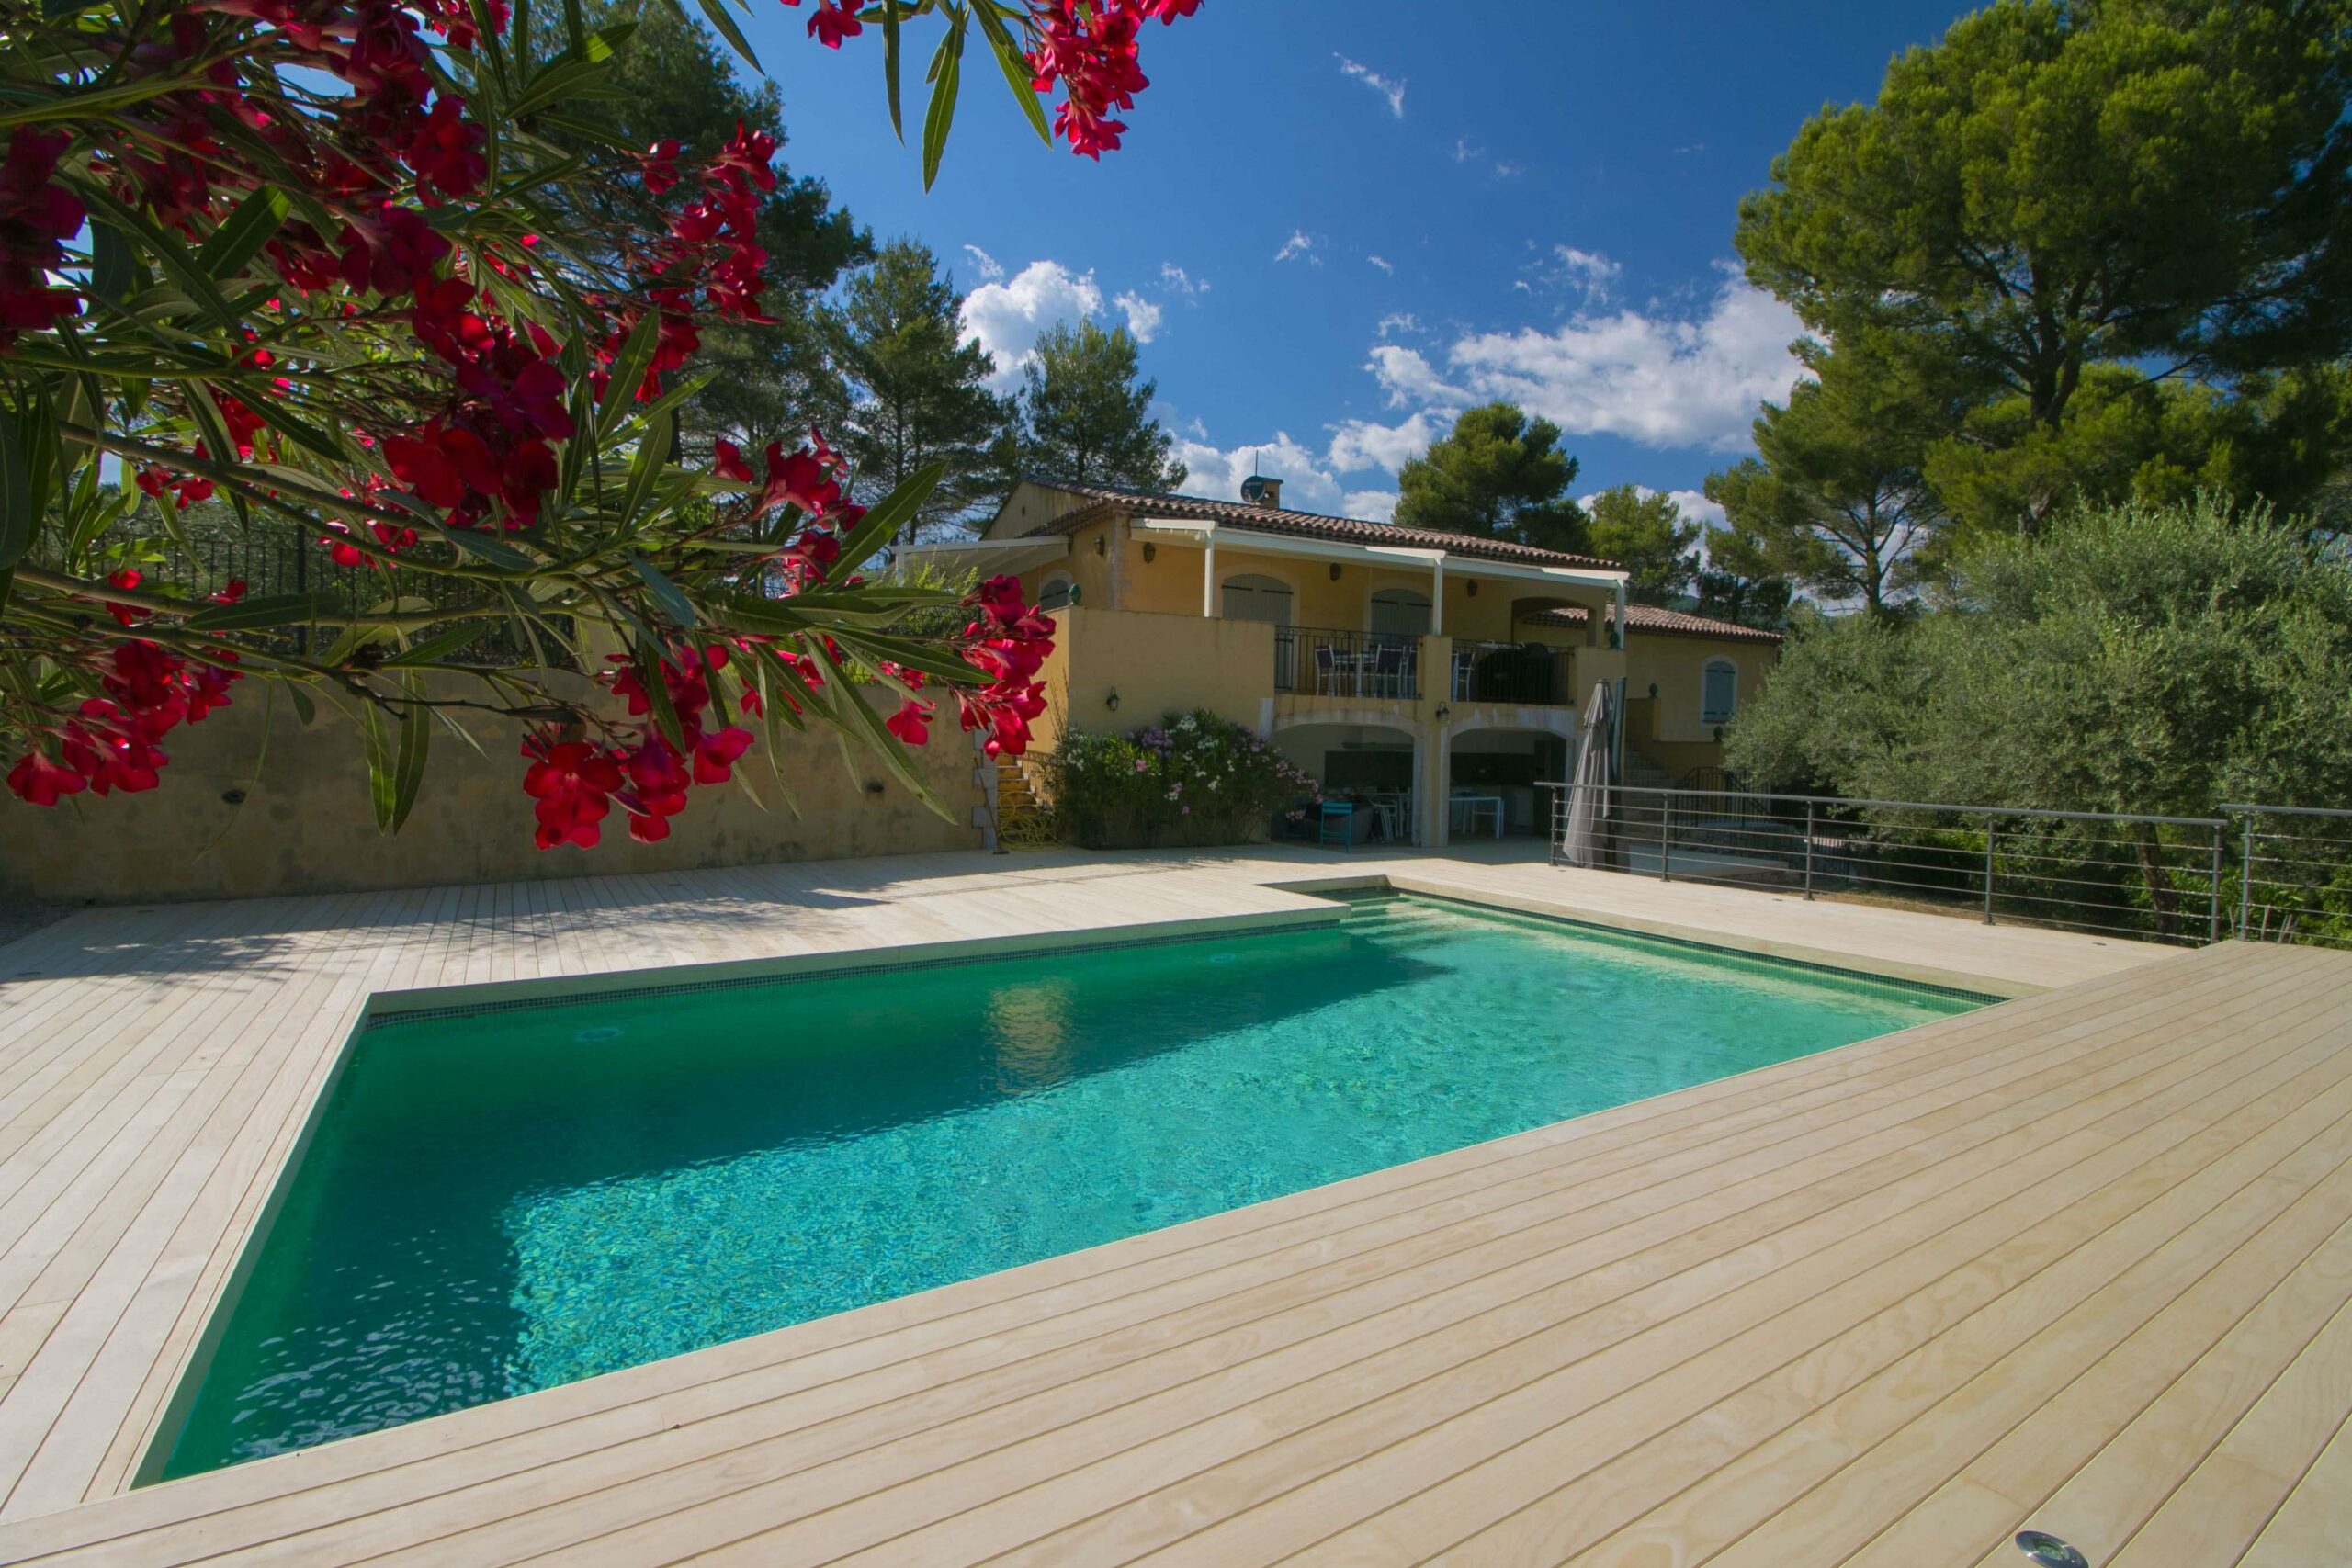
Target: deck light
pixel 2050 1551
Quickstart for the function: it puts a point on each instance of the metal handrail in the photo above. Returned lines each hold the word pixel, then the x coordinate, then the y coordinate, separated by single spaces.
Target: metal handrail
pixel 1926 806
pixel 2244 808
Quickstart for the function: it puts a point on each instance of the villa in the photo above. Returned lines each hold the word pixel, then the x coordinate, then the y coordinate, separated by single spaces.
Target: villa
pixel 1440 675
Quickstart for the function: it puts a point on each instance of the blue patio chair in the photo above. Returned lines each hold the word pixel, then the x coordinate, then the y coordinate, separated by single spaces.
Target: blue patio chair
pixel 1327 668
pixel 1388 670
pixel 1336 825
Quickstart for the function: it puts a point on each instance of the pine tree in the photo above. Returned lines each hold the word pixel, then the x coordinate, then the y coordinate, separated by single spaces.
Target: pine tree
pixel 1498 475
pixel 1085 414
pixel 919 395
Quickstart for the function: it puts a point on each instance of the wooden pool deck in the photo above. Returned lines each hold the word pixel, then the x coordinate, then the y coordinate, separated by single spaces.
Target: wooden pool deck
pixel 2081 1261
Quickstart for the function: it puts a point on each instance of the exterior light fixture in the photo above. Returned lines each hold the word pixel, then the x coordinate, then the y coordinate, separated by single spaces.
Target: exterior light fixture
pixel 1653 691
pixel 1444 713
pixel 1102 544
pixel 1335 572
pixel 1470 588
pixel 1111 701
pixel 1150 552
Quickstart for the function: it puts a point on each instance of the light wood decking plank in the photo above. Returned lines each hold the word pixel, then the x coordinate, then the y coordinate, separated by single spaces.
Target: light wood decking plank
pixel 1250 1350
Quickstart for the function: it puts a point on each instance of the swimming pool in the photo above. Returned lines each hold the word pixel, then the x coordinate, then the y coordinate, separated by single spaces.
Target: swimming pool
pixel 522 1196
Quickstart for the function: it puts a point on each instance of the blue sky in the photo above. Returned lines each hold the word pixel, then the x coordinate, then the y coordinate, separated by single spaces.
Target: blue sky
pixel 1336 222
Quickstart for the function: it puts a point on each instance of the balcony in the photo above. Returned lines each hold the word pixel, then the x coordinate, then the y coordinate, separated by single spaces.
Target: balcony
pixel 1528 674
pixel 1347 664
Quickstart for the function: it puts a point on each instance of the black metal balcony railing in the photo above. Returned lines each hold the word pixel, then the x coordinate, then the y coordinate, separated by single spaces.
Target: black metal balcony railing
pixel 1346 664
pixel 1513 672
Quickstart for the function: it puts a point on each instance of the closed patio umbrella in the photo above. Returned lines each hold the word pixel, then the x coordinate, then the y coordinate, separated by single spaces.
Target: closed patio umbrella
pixel 1589 789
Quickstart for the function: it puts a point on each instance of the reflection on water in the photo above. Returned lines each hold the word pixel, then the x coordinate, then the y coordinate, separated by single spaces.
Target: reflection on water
pixel 1028 1027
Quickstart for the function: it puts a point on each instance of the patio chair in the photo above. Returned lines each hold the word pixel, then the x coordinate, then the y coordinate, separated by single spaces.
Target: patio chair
pixel 1388 670
pixel 1326 669
pixel 1335 826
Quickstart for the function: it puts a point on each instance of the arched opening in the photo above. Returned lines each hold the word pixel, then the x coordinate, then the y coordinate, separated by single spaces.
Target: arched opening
pixel 1400 611
pixel 1718 692
pixel 1057 591
pixel 1252 596
pixel 1494 783
pixel 1370 769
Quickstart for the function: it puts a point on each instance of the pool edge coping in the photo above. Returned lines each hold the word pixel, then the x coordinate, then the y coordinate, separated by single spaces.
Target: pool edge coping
pixel 1315 908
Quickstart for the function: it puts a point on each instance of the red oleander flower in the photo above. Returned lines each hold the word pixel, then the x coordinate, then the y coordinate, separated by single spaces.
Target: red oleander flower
pixel 573 783
pixel 715 755
pixel 37 781
pixel 37 216
pixel 726 462
pixel 912 721
pixel 832 21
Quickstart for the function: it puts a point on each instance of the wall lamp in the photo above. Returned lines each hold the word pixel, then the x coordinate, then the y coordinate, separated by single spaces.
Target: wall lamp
pixel 1111 701
pixel 1442 714
pixel 1150 552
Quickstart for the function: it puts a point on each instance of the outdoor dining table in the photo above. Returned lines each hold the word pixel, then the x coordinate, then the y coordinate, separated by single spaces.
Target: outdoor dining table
pixel 1471 804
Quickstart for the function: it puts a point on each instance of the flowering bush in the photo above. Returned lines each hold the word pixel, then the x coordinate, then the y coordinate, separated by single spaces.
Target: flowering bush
pixel 325 262
pixel 1191 779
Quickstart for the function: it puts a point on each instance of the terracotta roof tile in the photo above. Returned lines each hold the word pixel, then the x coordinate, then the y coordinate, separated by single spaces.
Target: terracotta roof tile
pixel 1657 622
pixel 1302 524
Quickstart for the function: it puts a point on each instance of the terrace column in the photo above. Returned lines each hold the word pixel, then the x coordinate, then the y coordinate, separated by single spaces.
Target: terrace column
pixel 1617 633
pixel 1437 597
pixel 1208 574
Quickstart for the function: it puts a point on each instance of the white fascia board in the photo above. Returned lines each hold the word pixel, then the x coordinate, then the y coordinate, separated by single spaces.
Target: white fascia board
pixel 1234 538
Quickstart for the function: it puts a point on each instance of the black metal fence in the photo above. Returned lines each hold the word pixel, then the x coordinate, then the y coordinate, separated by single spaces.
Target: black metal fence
pixel 2155 878
pixel 1347 664
pixel 1525 672
pixel 273 561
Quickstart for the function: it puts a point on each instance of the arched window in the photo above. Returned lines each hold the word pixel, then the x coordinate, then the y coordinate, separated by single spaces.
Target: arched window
pixel 1400 611
pixel 1056 591
pixel 1251 597
pixel 1718 692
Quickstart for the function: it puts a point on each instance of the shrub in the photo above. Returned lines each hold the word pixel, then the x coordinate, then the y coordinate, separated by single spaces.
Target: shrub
pixel 1191 779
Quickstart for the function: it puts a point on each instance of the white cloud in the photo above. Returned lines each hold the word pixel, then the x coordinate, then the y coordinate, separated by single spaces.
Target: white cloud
pixel 1410 378
pixel 1698 509
pixel 1393 91
pixel 1308 485
pixel 1143 316
pixel 1383 264
pixel 1297 245
pixel 1654 379
pixel 1361 444
pixel 1463 150
pixel 1176 281
pixel 1372 505
pixel 1006 317
pixel 991 268
pixel 1508 170
pixel 1587 271
pixel 1397 321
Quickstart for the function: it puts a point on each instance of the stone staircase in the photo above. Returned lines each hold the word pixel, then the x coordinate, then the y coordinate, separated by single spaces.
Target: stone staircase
pixel 1643 774
pixel 1024 818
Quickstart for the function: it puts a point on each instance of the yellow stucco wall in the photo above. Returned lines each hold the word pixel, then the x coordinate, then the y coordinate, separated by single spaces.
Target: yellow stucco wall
pixel 1106 563
pixel 1156 664
pixel 1675 664
pixel 305 825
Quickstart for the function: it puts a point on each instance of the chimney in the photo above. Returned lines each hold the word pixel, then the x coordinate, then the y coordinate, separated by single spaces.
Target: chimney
pixel 1259 490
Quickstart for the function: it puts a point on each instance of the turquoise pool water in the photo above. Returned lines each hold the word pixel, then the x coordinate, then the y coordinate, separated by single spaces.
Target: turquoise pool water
pixel 513 1200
